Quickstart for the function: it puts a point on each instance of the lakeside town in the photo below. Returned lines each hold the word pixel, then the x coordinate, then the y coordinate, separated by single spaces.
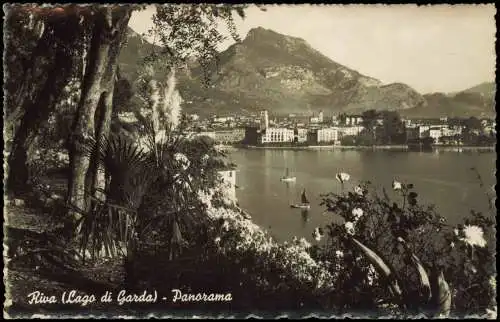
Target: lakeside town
pixel 158 174
pixel 371 128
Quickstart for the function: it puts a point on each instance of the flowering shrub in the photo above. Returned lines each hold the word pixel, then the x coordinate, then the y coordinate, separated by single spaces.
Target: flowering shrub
pixel 271 266
pixel 395 229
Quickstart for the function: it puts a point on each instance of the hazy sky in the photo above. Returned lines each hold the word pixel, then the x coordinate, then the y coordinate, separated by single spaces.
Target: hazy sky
pixel 431 48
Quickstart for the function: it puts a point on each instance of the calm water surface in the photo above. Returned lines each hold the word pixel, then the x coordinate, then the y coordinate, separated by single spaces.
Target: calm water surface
pixel 440 178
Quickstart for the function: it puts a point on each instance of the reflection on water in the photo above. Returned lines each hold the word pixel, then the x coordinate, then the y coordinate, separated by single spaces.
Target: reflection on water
pixel 444 179
pixel 305 217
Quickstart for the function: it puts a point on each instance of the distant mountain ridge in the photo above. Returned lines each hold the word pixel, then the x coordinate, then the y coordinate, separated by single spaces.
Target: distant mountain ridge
pixel 478 101
pixel 284 74
pixel 486 89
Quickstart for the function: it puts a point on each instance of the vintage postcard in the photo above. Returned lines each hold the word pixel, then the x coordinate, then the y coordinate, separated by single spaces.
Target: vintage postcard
pixel 242 160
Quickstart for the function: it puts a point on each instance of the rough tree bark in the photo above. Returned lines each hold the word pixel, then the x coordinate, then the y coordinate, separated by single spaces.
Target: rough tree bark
pixel 24 58
pixel 109 31
pixel 36 115
pixel 41 98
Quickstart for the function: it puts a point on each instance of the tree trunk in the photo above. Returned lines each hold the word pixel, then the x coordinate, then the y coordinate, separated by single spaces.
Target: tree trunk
pixel 36 116
pixel 106 43
pixel 37 79
pixel 23 63
pixel 104 114
pixel 96 173
pixel 84 122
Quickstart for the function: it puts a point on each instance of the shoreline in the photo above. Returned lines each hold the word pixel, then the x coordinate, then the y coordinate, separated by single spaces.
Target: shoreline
pixel 377 147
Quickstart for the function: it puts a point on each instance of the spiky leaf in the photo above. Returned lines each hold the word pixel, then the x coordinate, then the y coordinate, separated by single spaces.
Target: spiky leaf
pixel 442 297
pixel 425 284
pixel 381 267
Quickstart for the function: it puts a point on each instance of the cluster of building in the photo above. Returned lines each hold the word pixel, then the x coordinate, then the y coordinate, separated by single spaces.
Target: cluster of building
pixel 441 132
pixel 227 136
pixel 316 129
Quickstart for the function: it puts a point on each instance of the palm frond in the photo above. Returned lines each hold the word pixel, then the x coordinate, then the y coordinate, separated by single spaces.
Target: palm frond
pixel 105 228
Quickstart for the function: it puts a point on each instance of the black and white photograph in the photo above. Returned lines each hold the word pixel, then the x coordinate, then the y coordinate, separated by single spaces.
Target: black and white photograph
pixel 216 160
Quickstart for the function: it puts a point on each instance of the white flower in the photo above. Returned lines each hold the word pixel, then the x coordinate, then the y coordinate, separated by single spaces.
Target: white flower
pixel 339 254
pixel 217 240
pixel 182 159
pixel 473 236
pixel 349 227
pixel 357 213
pixel 225 225
pixel 204 158
pixel 304 243
pixel 318 234
pixel 358 190
pixel 396 185
pixel 452 245
pixel 455 231
pixel 342 177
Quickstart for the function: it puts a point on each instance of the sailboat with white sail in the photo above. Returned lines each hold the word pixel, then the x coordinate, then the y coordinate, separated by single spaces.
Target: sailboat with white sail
pixel 287 177
pixel 304 204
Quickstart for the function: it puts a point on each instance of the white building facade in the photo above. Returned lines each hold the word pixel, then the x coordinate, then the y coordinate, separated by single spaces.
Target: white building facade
pixel 335 120
pixel 451 131
pixel 277 135
pixel 435 133
pixel 301 135
pixel 350 130
pixel 314 119
pixel 423 131
pixel 228 178
pixel 353 120
pixel 329 134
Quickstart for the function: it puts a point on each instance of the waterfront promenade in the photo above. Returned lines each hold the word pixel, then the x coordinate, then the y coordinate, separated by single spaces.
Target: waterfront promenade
pixel 375 147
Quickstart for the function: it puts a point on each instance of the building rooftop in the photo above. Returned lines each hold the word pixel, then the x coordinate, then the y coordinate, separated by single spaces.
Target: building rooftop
pixel 228 167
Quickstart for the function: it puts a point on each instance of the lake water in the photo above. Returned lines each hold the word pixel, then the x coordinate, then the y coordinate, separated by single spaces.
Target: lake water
pixel 440 178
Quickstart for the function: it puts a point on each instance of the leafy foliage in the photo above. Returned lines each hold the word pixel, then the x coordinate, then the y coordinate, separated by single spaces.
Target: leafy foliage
pixel 150 189
pixel 405 241
pixel 190 31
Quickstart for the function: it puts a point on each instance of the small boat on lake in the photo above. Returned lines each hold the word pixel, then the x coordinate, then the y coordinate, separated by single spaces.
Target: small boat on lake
pixel 304 204
pixel 287 177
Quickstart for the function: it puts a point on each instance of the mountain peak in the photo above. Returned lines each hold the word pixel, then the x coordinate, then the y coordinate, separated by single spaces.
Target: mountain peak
pixel 261 33
pixel 285 74
pixel 256 31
